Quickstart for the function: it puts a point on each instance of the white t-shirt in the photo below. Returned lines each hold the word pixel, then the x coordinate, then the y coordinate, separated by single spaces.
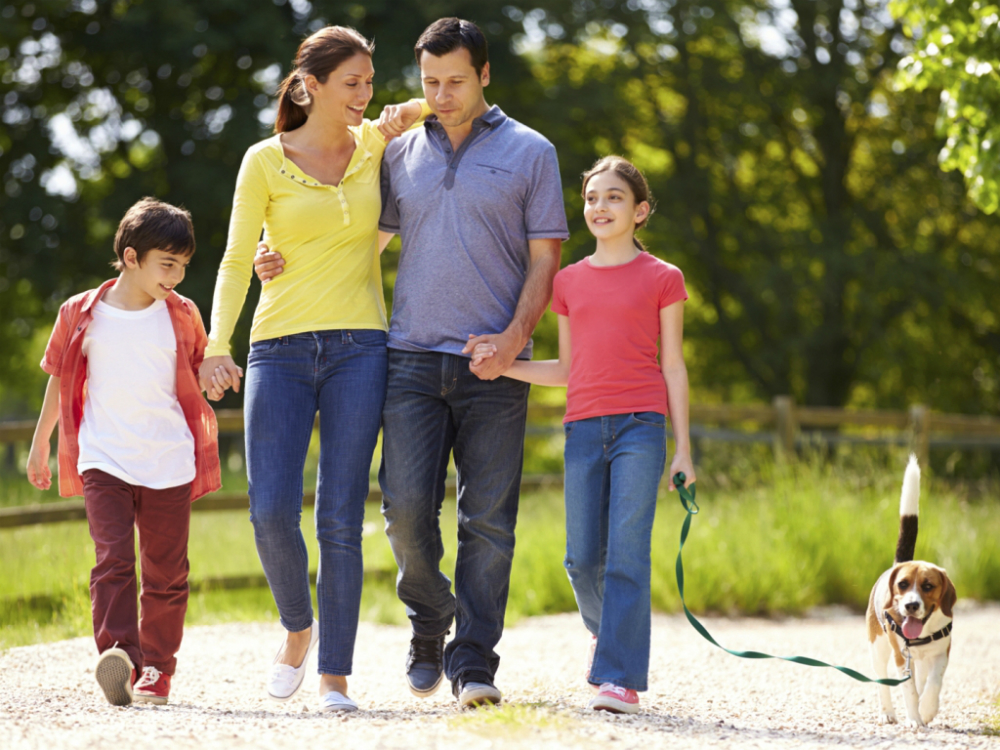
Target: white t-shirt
pixel 133 426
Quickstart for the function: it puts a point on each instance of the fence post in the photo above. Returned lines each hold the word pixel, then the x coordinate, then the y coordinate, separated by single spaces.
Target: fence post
pixel 785 427
pixel 921 441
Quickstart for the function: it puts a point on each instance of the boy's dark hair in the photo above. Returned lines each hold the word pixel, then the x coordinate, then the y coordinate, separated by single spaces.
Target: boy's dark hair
pixel 449 34
pixel 153 225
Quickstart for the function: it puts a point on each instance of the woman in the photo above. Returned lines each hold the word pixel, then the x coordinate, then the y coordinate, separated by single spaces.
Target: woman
pixel 318 342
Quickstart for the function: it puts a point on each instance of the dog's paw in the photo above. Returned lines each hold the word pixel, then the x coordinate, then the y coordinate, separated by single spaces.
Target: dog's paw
pixel 928 708
pixel 887 717
pixel 927 716
pixel 916 724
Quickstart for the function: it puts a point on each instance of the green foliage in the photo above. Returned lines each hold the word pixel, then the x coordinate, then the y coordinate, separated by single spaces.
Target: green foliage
pixel 956 50
pixel 826 254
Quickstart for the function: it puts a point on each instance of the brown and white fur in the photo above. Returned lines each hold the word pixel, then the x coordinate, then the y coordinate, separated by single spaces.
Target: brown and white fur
pixel 915 594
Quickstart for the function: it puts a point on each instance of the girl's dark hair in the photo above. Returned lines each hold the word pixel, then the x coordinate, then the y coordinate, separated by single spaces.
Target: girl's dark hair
pixel 319 54
pixel 633 178
pixel 449 34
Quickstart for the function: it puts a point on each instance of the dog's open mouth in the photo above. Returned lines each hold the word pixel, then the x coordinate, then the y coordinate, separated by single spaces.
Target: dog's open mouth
pixel 912 627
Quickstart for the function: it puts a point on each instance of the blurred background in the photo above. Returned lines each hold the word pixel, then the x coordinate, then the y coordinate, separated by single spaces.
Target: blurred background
pixel 826 175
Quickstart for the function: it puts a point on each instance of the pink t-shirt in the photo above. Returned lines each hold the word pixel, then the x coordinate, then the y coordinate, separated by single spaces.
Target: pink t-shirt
pixel 614 323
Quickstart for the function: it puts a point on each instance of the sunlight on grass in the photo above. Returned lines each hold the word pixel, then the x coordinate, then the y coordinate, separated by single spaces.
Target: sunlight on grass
pixel 511 717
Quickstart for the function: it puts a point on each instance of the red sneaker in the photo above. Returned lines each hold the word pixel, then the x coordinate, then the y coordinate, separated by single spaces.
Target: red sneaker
pixel 617 700
pixel 152 687
pixel 115 674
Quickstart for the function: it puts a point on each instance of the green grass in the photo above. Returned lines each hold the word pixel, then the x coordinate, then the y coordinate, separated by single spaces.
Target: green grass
pixel 781 541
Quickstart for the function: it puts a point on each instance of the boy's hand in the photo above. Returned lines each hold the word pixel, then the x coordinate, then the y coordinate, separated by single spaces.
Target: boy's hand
pixel 218 373
pixel 481 352
pixel 266 264
pixel 39 473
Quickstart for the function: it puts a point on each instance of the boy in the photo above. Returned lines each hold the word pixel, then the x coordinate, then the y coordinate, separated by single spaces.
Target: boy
pixel 137 440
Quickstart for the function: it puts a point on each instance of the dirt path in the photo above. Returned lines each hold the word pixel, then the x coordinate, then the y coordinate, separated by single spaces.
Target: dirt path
pixel 700 696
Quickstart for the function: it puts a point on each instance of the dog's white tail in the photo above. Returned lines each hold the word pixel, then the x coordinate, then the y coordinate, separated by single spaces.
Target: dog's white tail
pixel 909 510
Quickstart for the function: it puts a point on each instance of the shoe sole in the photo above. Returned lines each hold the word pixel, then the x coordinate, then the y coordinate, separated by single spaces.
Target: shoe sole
pixel 429 691
pixel 481 697
pixel 114 675
pixel 159 700
pixel 613 706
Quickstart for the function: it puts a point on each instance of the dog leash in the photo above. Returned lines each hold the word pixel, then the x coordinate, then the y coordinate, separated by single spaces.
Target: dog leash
pixel 687 495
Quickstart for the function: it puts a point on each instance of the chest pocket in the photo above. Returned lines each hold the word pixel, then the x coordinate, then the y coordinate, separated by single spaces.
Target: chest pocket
pixel 366 173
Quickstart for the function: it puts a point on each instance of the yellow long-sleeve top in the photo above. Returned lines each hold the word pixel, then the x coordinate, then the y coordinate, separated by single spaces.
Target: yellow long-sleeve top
pixel 327 234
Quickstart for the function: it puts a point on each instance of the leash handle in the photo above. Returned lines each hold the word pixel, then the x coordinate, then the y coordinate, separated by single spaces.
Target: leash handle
pixel 686 495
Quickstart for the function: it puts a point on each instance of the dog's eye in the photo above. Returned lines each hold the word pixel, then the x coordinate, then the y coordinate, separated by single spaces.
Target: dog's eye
pixel 927 586
pixel 903 585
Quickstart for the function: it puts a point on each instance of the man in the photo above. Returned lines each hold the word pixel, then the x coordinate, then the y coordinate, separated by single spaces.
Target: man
pixel 477 200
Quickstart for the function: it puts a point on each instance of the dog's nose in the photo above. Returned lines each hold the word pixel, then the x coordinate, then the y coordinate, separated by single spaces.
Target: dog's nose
pixel 912 606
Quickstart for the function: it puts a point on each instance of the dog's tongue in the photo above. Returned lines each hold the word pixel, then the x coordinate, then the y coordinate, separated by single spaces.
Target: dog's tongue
pixel 912 627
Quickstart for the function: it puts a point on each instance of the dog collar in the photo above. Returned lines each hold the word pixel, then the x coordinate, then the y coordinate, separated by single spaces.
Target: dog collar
pixel 891 624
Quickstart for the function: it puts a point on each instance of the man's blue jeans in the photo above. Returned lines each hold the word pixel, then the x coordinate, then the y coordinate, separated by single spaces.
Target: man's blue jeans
pixel 340 374
pixel 435 405
pixel 613 470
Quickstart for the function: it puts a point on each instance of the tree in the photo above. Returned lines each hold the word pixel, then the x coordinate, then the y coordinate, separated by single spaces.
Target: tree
pixel 956 50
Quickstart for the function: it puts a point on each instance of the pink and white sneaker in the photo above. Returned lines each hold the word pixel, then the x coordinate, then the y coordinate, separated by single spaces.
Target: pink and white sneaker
pixel 617 700
pixel 152 687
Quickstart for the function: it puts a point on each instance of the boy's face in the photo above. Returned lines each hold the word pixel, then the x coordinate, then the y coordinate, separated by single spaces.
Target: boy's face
pixel 158 273
pixel 451 87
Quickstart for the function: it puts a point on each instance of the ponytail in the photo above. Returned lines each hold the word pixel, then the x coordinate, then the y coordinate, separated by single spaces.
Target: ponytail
pixel 319 55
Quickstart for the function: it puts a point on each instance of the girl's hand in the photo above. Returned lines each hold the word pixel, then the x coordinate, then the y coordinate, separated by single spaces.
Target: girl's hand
pixel 481 352
pixel 682 462
pixel 39 473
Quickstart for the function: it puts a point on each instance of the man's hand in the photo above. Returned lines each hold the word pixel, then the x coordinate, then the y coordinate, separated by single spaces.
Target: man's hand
pixel 506 349
pixel 39 473
pixel 218 373
pixel 266 264
pixel 396 119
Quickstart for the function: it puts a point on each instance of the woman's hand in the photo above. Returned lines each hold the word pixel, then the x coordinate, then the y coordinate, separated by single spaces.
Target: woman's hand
pixel 396 119
pixel 266 264
pixel 682 462
pixel 218 373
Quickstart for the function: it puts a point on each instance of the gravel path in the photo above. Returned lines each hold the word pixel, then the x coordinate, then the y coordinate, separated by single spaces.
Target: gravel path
pixel 700 697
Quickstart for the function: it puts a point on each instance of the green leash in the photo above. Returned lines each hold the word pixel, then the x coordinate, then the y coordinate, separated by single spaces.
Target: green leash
pixel 687 500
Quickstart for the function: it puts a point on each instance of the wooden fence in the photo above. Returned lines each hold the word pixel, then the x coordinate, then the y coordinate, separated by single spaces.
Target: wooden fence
pixel 783 424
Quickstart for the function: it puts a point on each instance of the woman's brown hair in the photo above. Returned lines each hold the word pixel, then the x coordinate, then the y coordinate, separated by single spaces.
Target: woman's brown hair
pixel 319 55
pixel 633 178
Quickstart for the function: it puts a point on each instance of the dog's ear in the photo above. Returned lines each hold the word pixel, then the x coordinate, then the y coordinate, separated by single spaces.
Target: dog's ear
pixel 948 594
pixel 890 592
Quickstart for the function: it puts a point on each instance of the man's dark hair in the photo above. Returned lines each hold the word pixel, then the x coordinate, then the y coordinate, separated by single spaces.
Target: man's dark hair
pixel 153 225
pixel 449 34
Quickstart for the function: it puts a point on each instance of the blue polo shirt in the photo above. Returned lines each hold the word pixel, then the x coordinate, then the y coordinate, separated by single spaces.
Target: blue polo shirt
pixel 465 218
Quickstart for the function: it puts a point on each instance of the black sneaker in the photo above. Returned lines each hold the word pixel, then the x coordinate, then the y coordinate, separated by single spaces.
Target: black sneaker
pixel 474 689
pixel 425 665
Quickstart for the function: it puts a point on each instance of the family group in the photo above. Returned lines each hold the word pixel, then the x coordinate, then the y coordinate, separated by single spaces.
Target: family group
pixel 477 200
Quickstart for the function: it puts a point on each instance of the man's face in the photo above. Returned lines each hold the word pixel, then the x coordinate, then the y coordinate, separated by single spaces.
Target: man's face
pixel 451 87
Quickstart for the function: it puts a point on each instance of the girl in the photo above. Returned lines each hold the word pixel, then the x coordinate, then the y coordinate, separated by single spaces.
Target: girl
pixel 612 308
pixel 318 343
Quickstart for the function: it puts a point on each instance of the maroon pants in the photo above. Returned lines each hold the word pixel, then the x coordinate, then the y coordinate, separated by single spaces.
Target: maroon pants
pixel 114 509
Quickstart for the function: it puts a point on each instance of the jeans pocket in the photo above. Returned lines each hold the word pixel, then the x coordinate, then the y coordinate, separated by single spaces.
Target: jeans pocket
pixel 264 346
pixel 568 428
pixel 368 339
pixel 651 418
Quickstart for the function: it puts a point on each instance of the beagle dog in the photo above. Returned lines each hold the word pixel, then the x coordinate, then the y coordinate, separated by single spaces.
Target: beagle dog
pixel 909 618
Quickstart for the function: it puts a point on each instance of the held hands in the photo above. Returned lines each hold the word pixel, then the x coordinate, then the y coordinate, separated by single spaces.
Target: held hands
pixel 682 462
pixel 266 264
pixel 492 354
pixel 216 374
pixel 396 119
pixel 39 473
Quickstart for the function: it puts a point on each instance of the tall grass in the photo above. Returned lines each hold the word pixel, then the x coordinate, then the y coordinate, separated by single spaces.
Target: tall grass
pixel 779 540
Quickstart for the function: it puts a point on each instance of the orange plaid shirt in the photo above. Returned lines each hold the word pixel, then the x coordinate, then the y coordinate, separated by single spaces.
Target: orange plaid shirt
pixel 64 359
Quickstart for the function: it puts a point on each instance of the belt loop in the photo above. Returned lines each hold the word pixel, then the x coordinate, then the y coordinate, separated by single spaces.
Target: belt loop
pixel 345 337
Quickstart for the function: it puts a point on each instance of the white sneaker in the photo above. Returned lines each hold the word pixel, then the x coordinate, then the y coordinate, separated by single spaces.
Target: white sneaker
pixel 334 701
pixel 284 680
